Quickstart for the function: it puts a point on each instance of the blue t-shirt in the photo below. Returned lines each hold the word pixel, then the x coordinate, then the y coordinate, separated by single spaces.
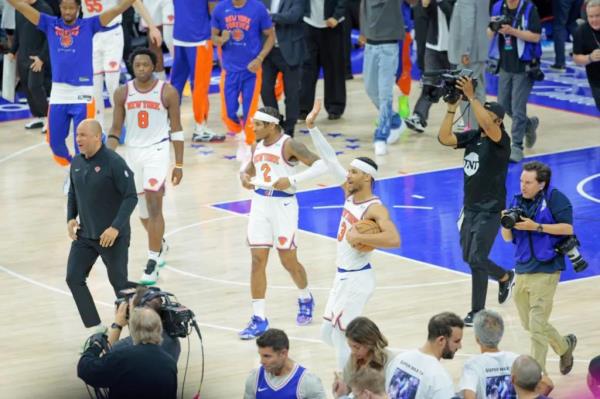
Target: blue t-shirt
pixel 70 48
pixel 562 211
pixel 193 21
pixel 245 25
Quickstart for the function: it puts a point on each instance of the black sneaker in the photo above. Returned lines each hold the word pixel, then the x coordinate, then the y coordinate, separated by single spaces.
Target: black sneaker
pixel 505 288
pixel 566 359
pixel 559 68
pixel 468 320
pixel 531 132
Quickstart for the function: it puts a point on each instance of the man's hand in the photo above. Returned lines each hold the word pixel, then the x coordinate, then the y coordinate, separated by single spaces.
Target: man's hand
pixel 72 227
pixel 352 236
pixel 507 30
pixel 245 179
pixel 526 224
pixel 331 22
pixel 155 36
pixel 255 65
pixel 595 55
pixel 465 85
pixel 121 314
pixel 107 239
pixel 362 40
pixel 225 35
pixel 339 387
pixel 310 118
pixel 465 59
pixel 37 64
pixel 282 183
pixel 176 176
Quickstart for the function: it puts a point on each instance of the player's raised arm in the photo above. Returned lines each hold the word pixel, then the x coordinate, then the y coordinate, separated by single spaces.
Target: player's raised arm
pixel 387 238
pixel 153 32
pixel 28 11
pixel 114 12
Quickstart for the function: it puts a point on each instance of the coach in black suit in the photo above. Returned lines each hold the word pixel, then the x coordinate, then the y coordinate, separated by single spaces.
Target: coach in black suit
pixel 286 56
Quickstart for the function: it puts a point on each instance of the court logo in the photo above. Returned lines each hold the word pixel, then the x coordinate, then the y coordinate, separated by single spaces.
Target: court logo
pixel 471 165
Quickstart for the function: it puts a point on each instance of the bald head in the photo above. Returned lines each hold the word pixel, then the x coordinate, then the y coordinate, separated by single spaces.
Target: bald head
pixel 89 137
pixel 526 373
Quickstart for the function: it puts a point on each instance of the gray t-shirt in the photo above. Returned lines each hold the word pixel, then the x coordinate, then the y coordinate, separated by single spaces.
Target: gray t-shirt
pixel 310 386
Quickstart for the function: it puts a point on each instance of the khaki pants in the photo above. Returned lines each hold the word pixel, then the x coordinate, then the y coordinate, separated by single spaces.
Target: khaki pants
pixel 534 295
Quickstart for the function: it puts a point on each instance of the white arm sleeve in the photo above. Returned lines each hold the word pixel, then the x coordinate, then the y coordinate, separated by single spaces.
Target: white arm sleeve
pixel 327 154
pixel 317 169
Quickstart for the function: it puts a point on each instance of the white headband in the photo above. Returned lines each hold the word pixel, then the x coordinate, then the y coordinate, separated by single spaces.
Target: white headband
pixel 263 117
pixel 364 167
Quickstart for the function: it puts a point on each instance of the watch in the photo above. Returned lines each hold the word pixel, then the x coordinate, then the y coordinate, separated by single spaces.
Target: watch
pixel 116 326
pixel 539 228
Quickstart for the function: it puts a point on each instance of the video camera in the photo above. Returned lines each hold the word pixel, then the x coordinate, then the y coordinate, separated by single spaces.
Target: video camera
pixel 442 84
pixel 175 317
pixel 497 21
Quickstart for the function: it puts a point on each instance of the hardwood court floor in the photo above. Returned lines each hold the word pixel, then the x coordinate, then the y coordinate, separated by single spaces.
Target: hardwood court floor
pixel 42 334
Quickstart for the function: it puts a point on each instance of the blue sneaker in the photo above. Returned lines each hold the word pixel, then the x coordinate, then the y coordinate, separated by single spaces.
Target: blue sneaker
pixel 255 328
pixel 305 311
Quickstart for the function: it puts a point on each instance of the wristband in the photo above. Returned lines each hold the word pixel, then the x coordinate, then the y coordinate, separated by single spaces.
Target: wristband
pixel 112 136
pixel 451 112
pixel 178 166
pixel 116 326
pixel 177 136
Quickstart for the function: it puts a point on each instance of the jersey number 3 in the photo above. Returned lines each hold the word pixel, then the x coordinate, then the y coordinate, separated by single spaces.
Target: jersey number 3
pixel 93 5
pixel 142 119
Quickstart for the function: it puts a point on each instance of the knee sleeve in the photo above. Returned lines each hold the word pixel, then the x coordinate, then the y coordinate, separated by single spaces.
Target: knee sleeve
pixel 142 207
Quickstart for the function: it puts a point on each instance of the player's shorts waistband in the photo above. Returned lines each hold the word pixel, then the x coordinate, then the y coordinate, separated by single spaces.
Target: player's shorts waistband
pixel 365 267
pixel 273 193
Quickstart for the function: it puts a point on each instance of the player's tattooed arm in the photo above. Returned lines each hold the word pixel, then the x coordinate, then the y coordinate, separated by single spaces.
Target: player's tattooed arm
pixel 298 151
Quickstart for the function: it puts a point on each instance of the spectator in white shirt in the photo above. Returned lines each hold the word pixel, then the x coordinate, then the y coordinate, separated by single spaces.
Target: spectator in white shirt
pixel 418 374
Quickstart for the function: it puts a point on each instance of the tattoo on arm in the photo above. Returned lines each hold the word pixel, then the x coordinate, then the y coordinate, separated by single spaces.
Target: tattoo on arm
pixel 301 153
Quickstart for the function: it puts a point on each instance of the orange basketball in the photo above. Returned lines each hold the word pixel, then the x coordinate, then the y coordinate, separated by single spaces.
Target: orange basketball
pixel 366 226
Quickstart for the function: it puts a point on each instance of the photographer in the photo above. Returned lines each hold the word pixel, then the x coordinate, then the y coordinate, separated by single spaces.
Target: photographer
pixel 143 370
pixel 515 53
pixel 144 297
pixel 544 218
pixel 487 150
pixel 586 47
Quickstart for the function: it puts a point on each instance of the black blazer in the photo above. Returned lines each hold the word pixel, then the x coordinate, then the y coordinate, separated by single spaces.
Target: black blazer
pixel 289 29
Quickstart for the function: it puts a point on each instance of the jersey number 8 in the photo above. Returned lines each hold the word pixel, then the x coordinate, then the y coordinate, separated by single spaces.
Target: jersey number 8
pixel 142 119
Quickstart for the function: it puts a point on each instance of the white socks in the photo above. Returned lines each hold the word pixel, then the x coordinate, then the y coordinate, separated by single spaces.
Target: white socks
pixel 258 307
pixel 304 293
pixel 153 255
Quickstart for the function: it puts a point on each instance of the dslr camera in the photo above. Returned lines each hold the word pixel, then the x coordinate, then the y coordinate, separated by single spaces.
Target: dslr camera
pixel 442 84
pixel 497 21
pixel 175 317
pixel 569 246
pixel 511 217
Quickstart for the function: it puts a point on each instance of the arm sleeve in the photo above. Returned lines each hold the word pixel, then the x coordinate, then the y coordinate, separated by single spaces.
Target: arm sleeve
pixel 311 387
pixel 96 371
pixel 71 200
pixel 463 139
pixel 292 16
pixel 561 208
pixel 123 180
pixel 250 386
pixel 328 155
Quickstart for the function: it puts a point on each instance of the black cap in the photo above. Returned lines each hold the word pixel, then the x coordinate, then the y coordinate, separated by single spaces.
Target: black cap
pixel 495 108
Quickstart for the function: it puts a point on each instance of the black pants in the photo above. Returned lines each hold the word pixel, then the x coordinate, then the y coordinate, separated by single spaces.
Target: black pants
pixel 82 257
pixel 324 47
pixel 596 95
pixel 477 235
pixel 421 25
pixel 33 83
pixel 434 61
pixel 351 21
pixel 273 64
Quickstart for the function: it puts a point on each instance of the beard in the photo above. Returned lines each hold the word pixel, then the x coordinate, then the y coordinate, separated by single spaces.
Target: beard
pixel 447 353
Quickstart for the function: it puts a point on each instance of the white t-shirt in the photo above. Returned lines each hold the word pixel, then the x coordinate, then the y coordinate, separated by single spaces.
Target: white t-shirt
pixel 488 375
pixel 416 375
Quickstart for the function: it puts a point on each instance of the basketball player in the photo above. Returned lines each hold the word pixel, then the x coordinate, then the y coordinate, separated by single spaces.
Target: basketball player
pixel 108 50
pixel 238 27
pixel 274 213
pixel 70 46
pixel 150 109
pixel 194 60
pixel 354 281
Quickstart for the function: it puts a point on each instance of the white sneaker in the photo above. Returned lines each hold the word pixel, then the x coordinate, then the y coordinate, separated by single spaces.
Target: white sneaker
pixel 164 250
pixel 203 134
pixel 150 273
pixel 380 148
pixel 395 133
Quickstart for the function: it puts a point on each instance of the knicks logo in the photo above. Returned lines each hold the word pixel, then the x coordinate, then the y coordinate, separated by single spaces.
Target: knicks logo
pixel 113 64
pixel 282 240
pixel 66 35
pixel 171 18
pixel 66 41
pixel 237 35
pixel 153 182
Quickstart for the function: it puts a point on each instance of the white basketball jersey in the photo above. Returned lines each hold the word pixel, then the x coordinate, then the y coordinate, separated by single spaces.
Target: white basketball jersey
pixel 349 258
pixel 91 8
pixel 270 163
pixel 146 118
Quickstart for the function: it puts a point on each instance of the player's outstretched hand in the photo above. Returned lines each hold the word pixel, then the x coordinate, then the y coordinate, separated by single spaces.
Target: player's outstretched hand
pixel 312 116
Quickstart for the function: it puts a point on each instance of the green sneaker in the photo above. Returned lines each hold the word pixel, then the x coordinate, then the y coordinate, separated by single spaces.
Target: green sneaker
pixel 403 107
